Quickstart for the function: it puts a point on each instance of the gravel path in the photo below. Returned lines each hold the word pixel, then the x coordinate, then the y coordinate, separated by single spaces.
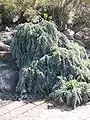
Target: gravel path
pixel 39 111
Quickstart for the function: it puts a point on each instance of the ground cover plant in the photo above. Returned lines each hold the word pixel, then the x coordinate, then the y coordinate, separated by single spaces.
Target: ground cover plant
pixel 51 66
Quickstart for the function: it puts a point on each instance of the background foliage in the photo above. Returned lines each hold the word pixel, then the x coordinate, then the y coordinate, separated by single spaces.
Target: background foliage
pixel 62 12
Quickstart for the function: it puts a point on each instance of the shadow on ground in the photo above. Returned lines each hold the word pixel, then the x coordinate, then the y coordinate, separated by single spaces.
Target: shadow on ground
pixel 8 98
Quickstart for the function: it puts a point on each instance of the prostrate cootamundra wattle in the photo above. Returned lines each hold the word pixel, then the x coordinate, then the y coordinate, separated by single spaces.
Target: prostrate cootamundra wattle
pixel 47 59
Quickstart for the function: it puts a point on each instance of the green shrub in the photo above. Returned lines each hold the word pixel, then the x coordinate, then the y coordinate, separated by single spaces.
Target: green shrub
pixel 64 12
pixel 72 93
pixel 8 4
pixel 88 1
pixel 23 8
pixel 81 16
pixel 45 57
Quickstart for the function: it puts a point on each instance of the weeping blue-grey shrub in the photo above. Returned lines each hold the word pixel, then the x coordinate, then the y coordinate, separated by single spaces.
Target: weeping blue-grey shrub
pixel 45 58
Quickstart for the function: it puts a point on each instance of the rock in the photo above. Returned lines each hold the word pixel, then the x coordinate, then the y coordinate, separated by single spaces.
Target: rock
pixel 6 37
pixel 84 37
pixel 7 29
pixel 86 32
pixel 79 35
pixel 4 55
pixel 69 33
pixel 4 47
pixel 8 79
pixel 6 34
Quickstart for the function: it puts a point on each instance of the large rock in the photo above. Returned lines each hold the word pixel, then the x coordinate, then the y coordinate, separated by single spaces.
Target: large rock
pixel 87 33
pixel 8 78
pixel 5 55
pixel 82 37
pixel 69 33
pixel 6 35
pixel 79 35
pixel 4 47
